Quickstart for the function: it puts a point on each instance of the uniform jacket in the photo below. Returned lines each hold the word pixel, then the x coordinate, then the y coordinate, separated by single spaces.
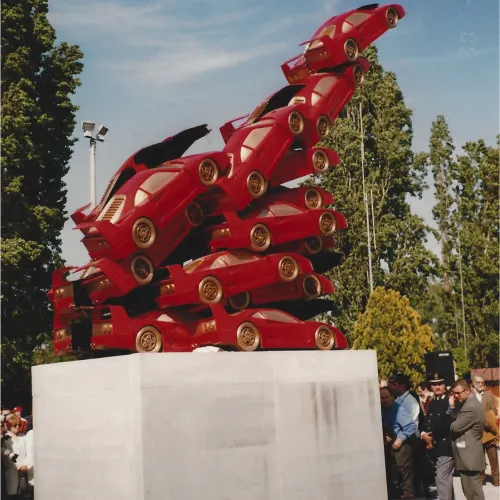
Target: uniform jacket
pixel 438 421
pixel 466 434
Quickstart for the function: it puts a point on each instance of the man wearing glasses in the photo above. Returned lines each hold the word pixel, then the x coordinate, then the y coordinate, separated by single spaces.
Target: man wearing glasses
pixel 490 433
pixel 466 434
pixel 437 437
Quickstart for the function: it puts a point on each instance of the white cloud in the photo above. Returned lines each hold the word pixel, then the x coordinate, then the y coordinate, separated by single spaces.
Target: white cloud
pixel 180 62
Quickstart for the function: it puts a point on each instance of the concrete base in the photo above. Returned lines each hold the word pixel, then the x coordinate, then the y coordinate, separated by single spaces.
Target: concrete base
pixel 210 426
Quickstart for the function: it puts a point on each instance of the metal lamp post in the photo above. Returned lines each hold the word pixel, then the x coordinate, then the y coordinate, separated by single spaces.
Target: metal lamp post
pixel 88 132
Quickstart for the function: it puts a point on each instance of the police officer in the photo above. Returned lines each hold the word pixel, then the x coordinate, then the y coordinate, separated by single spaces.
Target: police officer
pixel 437 437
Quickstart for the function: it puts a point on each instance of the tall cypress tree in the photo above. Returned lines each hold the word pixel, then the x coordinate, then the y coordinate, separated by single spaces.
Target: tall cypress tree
pixel 38 80
pixel 400 259
pixel 476 260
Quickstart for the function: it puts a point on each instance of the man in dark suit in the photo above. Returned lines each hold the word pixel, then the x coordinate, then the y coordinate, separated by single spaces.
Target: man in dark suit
pixel 466 434
pixel 437 437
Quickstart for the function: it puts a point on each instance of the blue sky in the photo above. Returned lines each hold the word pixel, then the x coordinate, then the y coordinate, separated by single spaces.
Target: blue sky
pixel 153 68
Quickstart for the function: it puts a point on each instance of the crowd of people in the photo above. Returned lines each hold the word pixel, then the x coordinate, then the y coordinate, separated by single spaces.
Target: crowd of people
pixel 436 432
pixel 17 455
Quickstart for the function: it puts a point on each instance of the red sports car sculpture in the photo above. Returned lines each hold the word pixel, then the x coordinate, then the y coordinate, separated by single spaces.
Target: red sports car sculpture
pixel 341 39
pixel 212 249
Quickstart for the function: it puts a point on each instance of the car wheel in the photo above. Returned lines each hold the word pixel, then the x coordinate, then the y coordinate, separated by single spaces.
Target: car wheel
pixel 143 233
pixel 351 50
pixel 260 238
pixel 208 172
pixel 327 223
pixel 313 245
pixel 324 338
pixel 239 301
pixel 256 184
pixel 323 126
pixel 142 269
pixel 210 290
pixel 311 287
pixel 148 339
pixel 248 337
pixel 194 214
pixel 392 17
pixel 358 75
pixel 288 269
pixel 296 122
pixel 313 198
pixel 320 161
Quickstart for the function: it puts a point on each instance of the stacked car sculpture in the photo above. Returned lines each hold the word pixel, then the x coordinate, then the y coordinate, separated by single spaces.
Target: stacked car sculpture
pixel 212 249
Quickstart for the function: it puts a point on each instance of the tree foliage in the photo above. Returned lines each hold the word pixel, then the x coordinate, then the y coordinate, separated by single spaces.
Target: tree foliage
pixel 38 80
pixel 400 258
pixel 394 329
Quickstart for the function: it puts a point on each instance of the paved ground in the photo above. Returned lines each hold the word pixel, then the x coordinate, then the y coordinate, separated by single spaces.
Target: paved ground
pixel 490 492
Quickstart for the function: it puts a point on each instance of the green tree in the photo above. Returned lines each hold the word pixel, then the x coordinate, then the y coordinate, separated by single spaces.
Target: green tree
pixel 394 329
pixel 476 261
pixel 38 118
pixel 400 259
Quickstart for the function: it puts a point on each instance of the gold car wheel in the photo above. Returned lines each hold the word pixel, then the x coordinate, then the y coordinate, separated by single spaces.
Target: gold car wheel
pixel 210 290
pixel 239 301
pixel 296 123
pixel 256 184
pixel 260 238
pixel 142 269
pixel 351 50
pixel 358 75
pixel 148 339
pixel 327 223
pixel 392 17
pixel 313 245
pixel 324 338
pixel 288 269
pixel 208 172
pixel 194 214
pixel 311 287
pixel 248 337
pixel 323 126
pixel 320 161
pixel 313 198
pixel 143 233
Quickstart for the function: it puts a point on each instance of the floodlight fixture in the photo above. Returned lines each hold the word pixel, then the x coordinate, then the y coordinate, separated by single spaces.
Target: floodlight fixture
pixel 102 131
pixel 88 134
pixel 88 127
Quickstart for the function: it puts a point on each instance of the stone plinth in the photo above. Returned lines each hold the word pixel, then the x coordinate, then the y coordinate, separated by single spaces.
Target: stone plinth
pixel 302 425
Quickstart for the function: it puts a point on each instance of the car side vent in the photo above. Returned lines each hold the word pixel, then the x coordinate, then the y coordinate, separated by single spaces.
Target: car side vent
pixel 113 206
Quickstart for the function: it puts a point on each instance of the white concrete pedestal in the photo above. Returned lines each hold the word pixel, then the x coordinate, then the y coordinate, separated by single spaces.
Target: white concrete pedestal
pixel 302 425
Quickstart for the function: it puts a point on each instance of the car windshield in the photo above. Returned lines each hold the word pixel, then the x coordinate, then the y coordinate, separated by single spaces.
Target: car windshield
pixel 326 31
pixel 193 265
pixel 275 316
pixel 282 209
pixel 233 259
pixel 278 100
pixel 156 181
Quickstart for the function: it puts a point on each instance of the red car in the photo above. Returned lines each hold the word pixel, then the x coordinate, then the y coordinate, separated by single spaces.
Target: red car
pixel 341 39
pixel 267 329
pixel 110 328
pixel 146 158
pixel 293 165
pixel 306 286
pixel 273 225
pixel 148 217
pixel 224 274
pixel 304 197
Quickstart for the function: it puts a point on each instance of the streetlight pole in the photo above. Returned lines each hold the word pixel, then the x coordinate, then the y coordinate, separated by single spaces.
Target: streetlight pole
pixel 88 132
pixel 92 173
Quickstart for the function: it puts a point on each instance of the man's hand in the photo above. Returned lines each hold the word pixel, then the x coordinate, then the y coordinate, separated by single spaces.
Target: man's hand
pixel 23 468
pixel 427 437
pixel 451 401
pixel 388 438
pixel 397 444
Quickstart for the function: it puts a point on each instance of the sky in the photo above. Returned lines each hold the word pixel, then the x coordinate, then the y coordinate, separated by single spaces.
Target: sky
pixel 153 68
